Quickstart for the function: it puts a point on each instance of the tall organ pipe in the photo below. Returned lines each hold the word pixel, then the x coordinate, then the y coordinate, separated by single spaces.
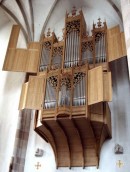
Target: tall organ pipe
pixel 72 49
pixel 79 93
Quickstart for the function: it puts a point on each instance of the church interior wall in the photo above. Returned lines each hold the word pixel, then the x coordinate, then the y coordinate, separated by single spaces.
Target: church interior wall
pixel 10 87
pixel 11 83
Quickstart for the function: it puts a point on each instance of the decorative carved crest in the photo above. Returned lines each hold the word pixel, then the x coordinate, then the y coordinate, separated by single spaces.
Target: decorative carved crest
pixel 77 78
pixel 58 51
pixel 66 81
pixel 73 25
pixel 47 45
pixel 98 36
pixel 48 32
pixel 87 46
pixel 53 80
pixel 99 23
pixel 74 11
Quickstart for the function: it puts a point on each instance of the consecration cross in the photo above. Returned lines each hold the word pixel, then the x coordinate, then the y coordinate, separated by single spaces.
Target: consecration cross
pixel 38 165
pixel 119 163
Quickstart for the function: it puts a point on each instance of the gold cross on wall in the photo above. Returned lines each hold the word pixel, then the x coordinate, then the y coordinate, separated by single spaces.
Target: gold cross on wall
pixel 119 163
pixel 38 165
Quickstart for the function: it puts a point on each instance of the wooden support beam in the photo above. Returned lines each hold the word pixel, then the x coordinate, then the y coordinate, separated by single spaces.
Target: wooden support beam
pixel 61 143
pixel 67 139
pixel 78 132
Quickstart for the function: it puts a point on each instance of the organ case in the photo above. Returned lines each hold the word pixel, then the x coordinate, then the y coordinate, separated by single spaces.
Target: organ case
pixel 72 87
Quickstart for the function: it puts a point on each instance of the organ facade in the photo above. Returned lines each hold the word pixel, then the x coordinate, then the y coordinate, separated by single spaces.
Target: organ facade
pixel 69 86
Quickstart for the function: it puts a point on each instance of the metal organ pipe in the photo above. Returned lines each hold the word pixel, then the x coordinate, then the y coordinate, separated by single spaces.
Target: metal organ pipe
pixel 67 59
pixel 104 49
pixel 50 97
pixel 72 49
pixel 74 54
pixel 101 49
pixel 75 48
pixel 44 58
pixel 84 92
pixel 66 50
pixel 79 93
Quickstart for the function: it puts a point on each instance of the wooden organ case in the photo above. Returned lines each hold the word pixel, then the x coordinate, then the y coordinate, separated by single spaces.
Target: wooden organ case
pixel 72 88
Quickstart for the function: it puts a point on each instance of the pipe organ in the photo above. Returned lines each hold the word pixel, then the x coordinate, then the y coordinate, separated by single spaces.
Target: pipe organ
pixel 72 88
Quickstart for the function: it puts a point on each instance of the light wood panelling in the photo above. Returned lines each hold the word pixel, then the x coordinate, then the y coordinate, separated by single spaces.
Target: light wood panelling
pixel 107 86
pixel 35 92
pixel 116 43
pixel 32 93
pixel 123 44
pixel 23 95
pixel 14 36
pixel 33 57
pixel 34 45
pixel 20 60
pixel 99 86
pixel 95 85
pixel 9 58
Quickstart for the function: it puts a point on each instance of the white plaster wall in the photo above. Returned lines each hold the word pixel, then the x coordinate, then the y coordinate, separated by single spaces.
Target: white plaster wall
pixel 10 86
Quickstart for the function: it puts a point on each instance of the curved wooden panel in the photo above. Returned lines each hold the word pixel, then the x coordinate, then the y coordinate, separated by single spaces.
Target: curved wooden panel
pixel 65 133
pixel 63 153
pixel 74 142
pixel 88 141
pixel 78 131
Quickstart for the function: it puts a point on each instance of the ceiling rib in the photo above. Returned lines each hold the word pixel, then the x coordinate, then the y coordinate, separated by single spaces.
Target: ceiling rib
pixel 25 19
pixel 48 17
pixel 32 17
pixel 115 8
pixel 16 20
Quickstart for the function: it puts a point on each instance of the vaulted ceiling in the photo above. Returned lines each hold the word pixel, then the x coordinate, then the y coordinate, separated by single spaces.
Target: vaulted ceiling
pixel 36 16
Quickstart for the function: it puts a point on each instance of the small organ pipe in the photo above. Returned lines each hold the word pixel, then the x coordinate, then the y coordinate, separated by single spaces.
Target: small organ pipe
pixel 72 42
pixel 69 50
pixel 66 50
pixel 74 48
pixel 78 46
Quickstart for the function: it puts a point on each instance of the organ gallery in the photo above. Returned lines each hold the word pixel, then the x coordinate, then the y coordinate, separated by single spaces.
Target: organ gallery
pixel 69 85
